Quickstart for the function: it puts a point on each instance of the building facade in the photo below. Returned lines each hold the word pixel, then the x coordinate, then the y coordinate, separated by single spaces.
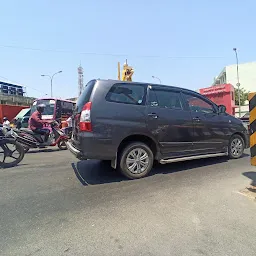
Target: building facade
pixel 247 76
pixel 13 94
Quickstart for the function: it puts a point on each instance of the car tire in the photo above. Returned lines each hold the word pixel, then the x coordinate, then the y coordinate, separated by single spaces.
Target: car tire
pixel 236 147
pixel 136 160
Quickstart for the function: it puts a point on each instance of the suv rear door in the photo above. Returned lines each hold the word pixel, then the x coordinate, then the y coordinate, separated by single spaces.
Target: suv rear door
pixel 169 123
pixel 82 100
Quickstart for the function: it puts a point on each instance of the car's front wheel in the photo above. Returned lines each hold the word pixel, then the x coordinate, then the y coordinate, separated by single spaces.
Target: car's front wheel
pixel 236 147
pixel 136 160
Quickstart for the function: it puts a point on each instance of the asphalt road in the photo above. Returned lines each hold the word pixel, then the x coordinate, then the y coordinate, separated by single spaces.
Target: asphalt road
pixel 53 205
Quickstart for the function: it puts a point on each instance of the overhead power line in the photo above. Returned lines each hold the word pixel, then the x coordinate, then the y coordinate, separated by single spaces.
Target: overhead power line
pixel 12 81
pixel 109 54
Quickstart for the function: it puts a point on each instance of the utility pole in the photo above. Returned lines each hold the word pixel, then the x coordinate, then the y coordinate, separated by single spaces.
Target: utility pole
pixel 118 71
pixel 238 82
pixel 80 80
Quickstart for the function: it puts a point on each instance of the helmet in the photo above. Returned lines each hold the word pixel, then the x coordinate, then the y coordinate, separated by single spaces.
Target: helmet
pixel 40 108
pixel 5 118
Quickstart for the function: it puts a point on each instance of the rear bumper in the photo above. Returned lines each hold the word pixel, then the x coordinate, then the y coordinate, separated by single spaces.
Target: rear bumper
pixel 77 153
pixel 92 146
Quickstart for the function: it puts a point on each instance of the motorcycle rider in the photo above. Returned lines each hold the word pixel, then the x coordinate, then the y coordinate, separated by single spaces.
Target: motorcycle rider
pixel 6 123
pixel 36 123
pixel 68 129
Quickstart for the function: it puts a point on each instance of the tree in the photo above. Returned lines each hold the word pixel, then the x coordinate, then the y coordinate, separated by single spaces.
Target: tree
pixel 243 96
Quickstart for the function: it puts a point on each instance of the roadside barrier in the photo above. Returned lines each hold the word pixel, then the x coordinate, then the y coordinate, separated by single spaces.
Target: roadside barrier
pixel 252 129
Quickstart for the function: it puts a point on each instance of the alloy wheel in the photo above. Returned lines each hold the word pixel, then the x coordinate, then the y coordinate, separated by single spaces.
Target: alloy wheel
pixel 137 161
pixel 237 147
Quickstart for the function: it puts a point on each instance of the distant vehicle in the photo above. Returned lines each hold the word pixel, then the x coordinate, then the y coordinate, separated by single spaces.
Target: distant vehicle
pixel 56 109
pixel 133 124
pixel 29 139
pixel 245 119
pixel 23 117
pixel 10 111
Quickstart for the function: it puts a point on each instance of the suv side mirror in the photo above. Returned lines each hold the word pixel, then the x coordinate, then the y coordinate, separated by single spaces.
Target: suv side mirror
pixel 221 109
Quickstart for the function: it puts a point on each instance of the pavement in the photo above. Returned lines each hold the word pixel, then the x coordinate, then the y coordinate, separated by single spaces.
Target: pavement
pixel 52 204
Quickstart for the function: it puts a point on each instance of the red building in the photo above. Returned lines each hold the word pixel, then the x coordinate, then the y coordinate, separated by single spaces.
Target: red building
pixel 221 94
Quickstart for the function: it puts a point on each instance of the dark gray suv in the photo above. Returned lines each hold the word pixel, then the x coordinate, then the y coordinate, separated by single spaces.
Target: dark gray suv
pixel 133 124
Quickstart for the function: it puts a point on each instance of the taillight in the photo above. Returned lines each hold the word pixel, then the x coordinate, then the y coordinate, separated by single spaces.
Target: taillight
pixel 85 124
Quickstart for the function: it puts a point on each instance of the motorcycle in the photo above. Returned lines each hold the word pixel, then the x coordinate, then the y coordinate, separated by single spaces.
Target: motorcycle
pixel 10 148
pixel 67 131
pixel 29 139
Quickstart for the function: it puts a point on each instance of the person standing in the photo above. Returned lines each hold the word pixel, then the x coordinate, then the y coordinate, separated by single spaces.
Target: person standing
pixel 68 129
pixel 69 121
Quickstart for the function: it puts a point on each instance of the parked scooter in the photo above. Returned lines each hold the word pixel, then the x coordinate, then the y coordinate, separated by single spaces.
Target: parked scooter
pixel 29 139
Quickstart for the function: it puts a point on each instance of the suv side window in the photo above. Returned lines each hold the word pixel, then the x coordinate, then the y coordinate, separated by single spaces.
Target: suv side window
pixel 196 104
pixel 164 99
pixel 127 93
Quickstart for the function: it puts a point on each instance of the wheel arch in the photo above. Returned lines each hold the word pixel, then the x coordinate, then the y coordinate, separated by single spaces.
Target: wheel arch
pixel 240 134
pixel 150 142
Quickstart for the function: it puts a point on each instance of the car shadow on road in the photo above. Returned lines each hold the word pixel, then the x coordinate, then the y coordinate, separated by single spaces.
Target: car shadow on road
pixel 252 177
pixel 93 172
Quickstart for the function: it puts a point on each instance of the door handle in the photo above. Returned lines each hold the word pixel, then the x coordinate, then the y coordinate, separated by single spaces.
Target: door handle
pixel 197 119
pixel 153 115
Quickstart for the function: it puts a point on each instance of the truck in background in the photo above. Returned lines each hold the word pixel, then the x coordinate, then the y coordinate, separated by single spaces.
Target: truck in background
pixel 224 94
pixel 221 94
pixel 9 111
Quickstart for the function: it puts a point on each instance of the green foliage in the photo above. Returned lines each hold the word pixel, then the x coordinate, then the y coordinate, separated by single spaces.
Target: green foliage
pixel 243 96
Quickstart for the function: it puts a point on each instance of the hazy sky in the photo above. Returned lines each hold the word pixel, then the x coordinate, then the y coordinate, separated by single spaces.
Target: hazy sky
pixel 184 43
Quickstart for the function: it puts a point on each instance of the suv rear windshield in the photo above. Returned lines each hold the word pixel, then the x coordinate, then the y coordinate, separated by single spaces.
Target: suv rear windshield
pixel 127 93
pixel 85 96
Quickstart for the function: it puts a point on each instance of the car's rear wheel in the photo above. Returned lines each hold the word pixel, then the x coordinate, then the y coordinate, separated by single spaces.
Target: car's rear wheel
pixel 136 160
pixel 236 147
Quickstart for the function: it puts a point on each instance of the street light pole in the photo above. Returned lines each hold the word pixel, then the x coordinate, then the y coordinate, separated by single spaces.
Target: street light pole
pixel 51 77
pixel 155 77
pixel 238 82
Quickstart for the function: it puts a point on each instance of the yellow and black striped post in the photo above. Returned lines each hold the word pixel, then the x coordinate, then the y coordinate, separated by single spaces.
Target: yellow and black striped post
pixel 252 109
